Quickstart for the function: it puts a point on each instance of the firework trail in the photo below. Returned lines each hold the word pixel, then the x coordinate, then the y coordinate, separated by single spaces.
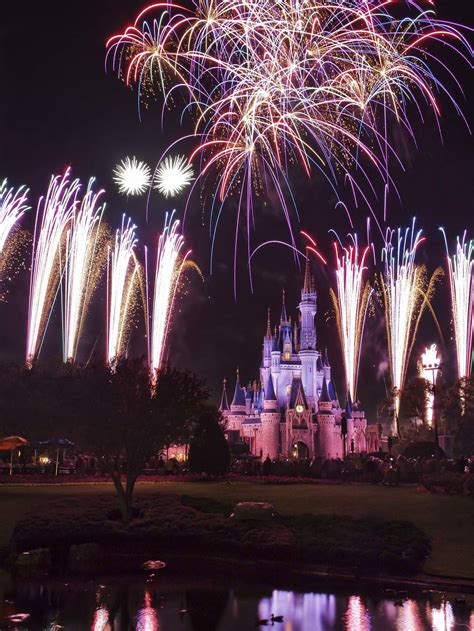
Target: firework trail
pixel 122 283
pixel 273 84
pixel 169 265
pixel 406 293
pixel 351 303
pixel 460 270
pixel 55 212
pixel 132 176
pixel 173 175
pixel 13 205
pixel 82 264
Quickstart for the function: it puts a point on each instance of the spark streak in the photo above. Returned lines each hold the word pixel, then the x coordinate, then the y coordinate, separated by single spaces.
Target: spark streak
pixel 123 271
pixel 168 270
pixel 351 304
pixel 13 205
pixel 81 267
pixel 460 270
pixel 56 211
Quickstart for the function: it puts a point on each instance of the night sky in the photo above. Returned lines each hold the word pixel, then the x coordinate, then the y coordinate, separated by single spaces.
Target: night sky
pixel 58 107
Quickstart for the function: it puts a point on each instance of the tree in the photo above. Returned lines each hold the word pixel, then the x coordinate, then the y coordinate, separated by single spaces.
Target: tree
pixel 125 419
pixel 457 414
pixel 414 399
pixel 116 413
pixel 209 451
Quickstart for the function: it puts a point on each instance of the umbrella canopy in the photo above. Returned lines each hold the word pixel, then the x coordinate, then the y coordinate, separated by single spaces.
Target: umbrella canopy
pixel 12 442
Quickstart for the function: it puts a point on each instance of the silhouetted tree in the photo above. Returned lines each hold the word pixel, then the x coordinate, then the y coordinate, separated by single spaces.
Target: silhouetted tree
pixel 209 451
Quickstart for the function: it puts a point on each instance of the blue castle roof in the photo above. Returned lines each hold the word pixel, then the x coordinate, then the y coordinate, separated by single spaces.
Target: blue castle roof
pixel 239 394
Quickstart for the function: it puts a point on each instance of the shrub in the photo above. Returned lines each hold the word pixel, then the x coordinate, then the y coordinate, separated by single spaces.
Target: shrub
pixel 209 450
pixel 444 482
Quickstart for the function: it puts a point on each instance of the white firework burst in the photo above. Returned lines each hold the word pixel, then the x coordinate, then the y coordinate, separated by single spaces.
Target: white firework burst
pixel 173 175
pixel 132 176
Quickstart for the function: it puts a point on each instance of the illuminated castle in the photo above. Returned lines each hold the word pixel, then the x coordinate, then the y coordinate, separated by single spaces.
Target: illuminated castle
pixel 293 411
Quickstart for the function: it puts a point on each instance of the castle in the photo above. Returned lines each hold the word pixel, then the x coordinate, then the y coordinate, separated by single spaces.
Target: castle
pixel 294 412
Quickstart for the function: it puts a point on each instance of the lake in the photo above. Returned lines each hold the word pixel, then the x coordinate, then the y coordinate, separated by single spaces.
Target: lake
pixel 164 602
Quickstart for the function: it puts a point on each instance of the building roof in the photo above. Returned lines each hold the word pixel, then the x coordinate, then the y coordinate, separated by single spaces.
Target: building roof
pixel 270 390
pixel 348 406
pixel 332 391
pixel 239 393
pixel 297 394
pixel 224 406
pixel 324 396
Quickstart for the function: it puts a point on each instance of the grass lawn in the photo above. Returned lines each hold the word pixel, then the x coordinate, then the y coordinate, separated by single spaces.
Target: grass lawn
pixel 447 520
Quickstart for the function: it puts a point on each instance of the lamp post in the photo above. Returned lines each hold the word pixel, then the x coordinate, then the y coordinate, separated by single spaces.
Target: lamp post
pixel 431 364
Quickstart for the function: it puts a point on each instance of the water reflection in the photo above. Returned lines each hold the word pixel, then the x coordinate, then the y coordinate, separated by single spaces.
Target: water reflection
pixel 213 605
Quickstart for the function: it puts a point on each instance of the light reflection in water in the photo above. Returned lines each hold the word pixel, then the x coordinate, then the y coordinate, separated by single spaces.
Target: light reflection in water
pixel 357 617
pixel 442 618
pixel 147 618
pixel 301 612
pixel 100 621
pixel 408 618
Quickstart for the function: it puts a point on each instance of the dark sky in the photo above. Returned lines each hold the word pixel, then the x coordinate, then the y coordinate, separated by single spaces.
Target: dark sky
pixel 59 107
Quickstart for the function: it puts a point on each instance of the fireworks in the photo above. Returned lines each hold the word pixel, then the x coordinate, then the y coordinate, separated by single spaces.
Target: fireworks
pixel 274 84
pixel 167 273
pixel 132 176
pixel 56 211
pixel 13 205
pixel 80 268
pixel 351 304
pixel 460 268
pixel 173 176
pixel 406 293
pixel 122 277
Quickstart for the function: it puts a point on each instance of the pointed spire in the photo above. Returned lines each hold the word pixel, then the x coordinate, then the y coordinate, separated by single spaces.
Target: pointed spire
pixel 224 406
pixel 284 317
pixel 332 391
pixel 268 334
pixel 308 278
pixel 269 390
pixel 324 396
pixel 275 346
pixel 239 396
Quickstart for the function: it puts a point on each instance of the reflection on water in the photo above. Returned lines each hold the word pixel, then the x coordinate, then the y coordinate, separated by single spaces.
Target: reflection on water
pixel 171 604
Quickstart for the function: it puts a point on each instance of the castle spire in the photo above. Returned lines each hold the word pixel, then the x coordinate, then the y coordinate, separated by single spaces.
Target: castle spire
pixel 308 278
pixel 224 406
pixel 284 317
pixel 269 325
pixel 239 396
pixel 270 390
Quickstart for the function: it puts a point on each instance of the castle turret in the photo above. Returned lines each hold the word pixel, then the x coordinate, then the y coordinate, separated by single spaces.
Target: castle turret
pixel 307 347
pixel 267 344
pixel 238 402
pixel 270 420
pixel 224 405
pixel 326 423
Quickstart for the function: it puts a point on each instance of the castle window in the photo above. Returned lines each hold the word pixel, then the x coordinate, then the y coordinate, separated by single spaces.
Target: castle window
pixel 287 356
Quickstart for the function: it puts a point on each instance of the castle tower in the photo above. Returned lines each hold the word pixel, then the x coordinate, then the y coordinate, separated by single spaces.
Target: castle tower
pixel 350 423
pixel 307 349
pixel 224 408
pixel 270 420
pixel 267 344
pixel 327 423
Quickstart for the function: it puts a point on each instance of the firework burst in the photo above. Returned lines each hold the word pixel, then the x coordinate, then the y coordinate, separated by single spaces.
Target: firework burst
pixel 132 176
pixel 173 175
pixel 82 265
pixel 460 271
pixel 350 303
pixel 169 265
pixel 276 84
pixel 55 212
pixel 122 283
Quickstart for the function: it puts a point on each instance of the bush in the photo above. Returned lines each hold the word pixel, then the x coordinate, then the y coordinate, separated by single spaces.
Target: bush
pixel 187 524
pixel 444 482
